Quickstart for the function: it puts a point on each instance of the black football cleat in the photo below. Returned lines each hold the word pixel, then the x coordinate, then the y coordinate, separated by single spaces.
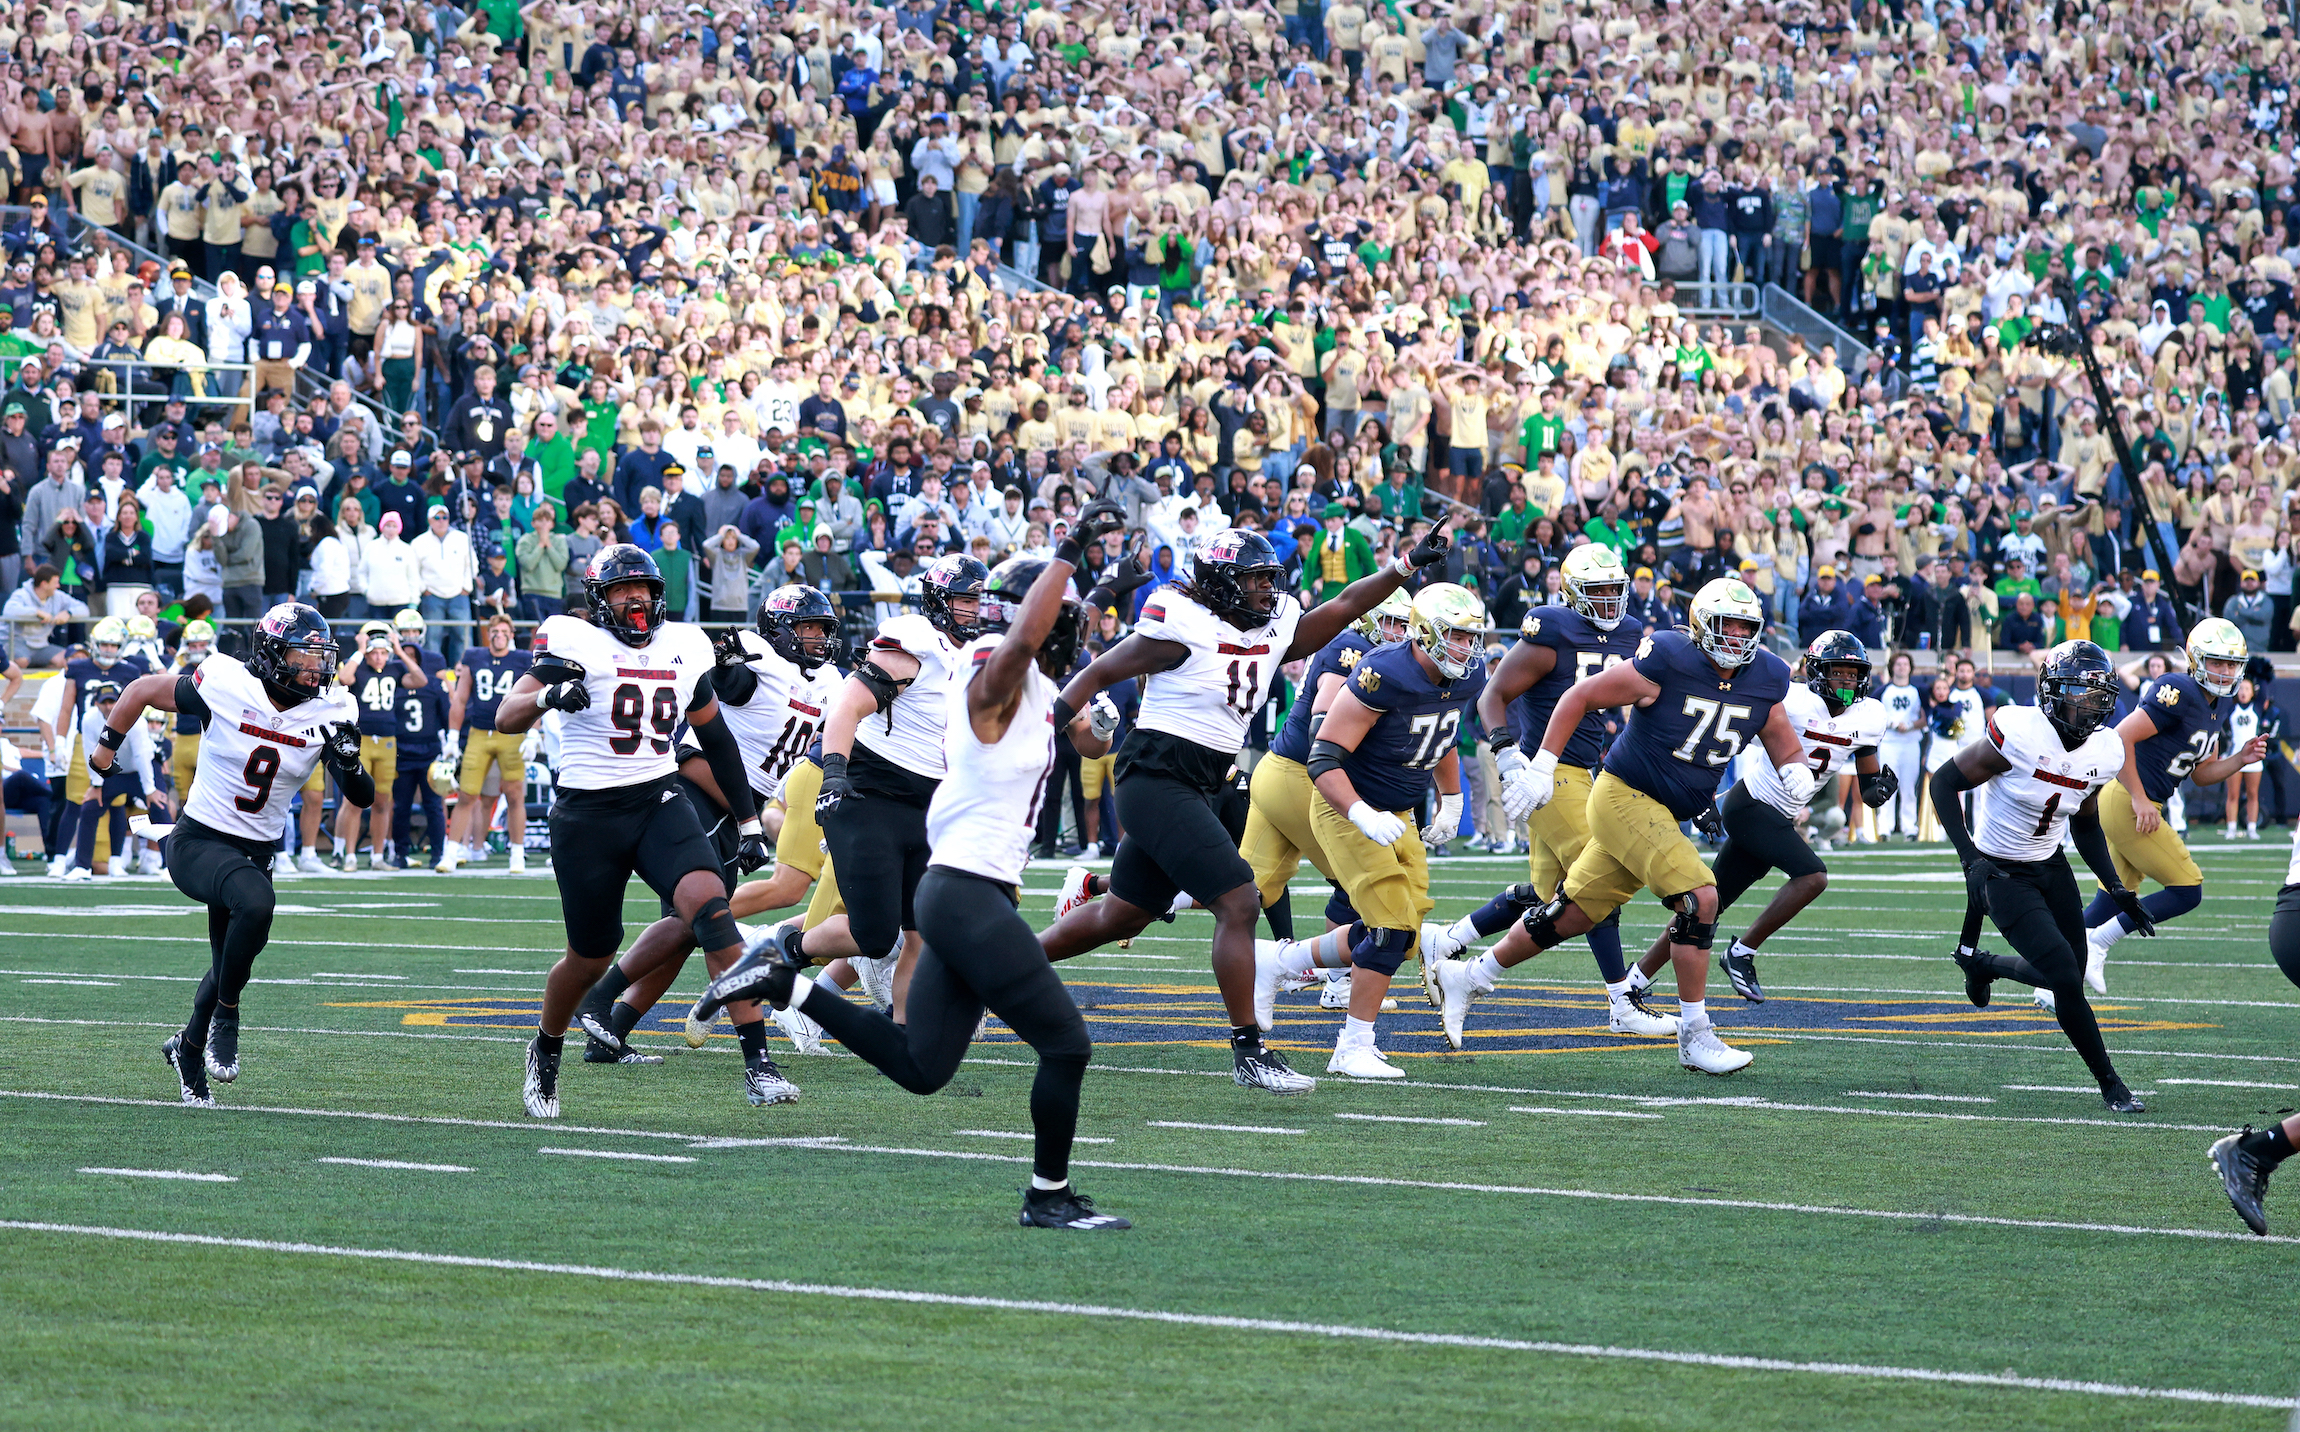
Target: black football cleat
pixel 597 1016
pixel 599 1051
pixel 2121 1100
pixel 540 1092
pixel 1066 1207
pixel 767 970
pixel 1977 977
pixel 190 1077
pixel 1741 969
pixel 2244 1178
pixel 223 1052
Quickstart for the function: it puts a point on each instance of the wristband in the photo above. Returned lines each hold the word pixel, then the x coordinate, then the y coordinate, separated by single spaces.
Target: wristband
pixel 111 739
pixel 1064 714
pixel 1500 741
pixel 751 827
pixel 1402 567
pixel 834 766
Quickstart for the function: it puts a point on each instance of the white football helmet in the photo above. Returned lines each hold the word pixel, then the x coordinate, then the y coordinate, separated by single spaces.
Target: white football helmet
pixel 1728 599
pixel 1596 584
pixel 2216 655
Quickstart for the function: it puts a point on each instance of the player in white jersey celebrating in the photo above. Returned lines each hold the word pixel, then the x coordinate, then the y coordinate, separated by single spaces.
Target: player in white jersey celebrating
pixel 2045 766
pixel 1903 751
pixel 268 721
pixel 1839 725
pixel 624 678
pixel 773 685
pixel 1208 650
pixel 980 953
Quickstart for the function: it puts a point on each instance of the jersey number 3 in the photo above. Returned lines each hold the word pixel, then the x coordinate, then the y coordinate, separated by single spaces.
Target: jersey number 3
pixel 630 714
pixel 1712 720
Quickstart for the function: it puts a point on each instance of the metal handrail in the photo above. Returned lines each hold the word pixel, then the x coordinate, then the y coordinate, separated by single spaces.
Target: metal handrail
pixel 1740 299
pixel 1784 310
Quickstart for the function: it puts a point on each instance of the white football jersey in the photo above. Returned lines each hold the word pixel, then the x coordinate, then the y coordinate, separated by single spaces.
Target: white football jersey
pixel 1224 680
pixel 909 735
pixel 254 757
pixel 1904 713
pixel 987 807
pixel 639 695
pixel 2029 806
pixel 1968 726
pixel 779 722
pixel 1830 743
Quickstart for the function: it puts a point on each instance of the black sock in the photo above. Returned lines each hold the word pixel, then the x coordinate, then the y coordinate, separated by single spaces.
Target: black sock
pixel 753 1038
pixel 610 985
pixel 1245 1038
pixel 2270 1145
pixel 549 1043
pixel 1280 914
pixel 624 1018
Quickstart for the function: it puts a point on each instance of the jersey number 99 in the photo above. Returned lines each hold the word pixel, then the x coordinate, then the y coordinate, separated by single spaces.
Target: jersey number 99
pixel 631 713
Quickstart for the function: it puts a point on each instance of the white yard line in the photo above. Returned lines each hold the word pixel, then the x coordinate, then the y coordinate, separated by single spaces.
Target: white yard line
pixel 1592 1113
pixel 1410 1119
pixel 619 1154
pixel 2069 1089
pixel 1011 1134
pixel 167 1173
pixel 395 1163
pixel 2229 1083
pixel 91 984
pixel 1223 1128
pixel 1935 1098
pixel 1223 1322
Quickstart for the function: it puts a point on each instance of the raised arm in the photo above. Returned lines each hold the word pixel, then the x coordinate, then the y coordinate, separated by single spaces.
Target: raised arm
pixel 1323 622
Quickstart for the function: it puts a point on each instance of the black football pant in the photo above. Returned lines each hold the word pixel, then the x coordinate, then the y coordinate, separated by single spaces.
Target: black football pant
pixel 2284 932
pixel 231 875
pixel 2036 905
pixel 979 954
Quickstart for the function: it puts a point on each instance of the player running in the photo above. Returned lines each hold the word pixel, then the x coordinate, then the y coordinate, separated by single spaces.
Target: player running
pixel 2169 737
pixel 473 741
pixel 623 679
pixel 1558 646
pixel 1841 726
pixel 773 686
pixel 1208 651
pixel 1697 696
pixel 2246 1158
pixel 2045 766
pixel 1391 730
pixel 269 721
pixel 1003 708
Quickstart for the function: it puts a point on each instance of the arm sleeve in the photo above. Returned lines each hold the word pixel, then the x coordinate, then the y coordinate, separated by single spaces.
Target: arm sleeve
pixel 357 786
pixel 735 684
pixel 726 760
pixel 188 698
pixel 1947 784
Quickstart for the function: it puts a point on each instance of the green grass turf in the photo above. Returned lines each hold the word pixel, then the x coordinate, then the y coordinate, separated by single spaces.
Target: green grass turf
pixel 100 1331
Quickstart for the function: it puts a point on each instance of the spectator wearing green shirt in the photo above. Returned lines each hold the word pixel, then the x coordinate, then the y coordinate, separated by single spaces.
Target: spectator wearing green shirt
pixel 554 456
pixel 1401 494
pixel 543 558
pixel 1544 431
pixel 1608 528
pixel 1510 524
pixel 2015 581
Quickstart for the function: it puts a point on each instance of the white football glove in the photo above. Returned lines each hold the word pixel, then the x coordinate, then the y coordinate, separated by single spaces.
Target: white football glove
pixel 1516 799
pixel 531 744
pixel 1102 716
pixel 1540 782
pixel 1798 781
pixel 1448 822
pixel 1379 826
pixel 451 745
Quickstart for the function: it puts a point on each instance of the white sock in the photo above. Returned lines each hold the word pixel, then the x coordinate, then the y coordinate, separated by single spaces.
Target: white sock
pixel 311 852
pixel 1463 932
pixel 2111 932
pixel 1484 971
pixel 1693 1013
pixel 1295 958
pixel 801 987
pixel 1740 945
pixel 1044 1185
pixel 1618 991
pixel 1639 980
pixel 1356 1030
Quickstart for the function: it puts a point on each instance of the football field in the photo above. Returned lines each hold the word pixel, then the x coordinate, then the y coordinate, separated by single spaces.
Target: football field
pixel 1907 1213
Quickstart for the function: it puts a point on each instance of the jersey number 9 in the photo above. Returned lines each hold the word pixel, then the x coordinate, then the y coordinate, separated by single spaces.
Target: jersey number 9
pixel 629 713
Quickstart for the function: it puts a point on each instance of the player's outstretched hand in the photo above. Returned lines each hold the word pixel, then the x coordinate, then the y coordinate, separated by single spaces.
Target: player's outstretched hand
pixel 1097 521
pixel 1102 716
pixel 342 746
pixel 1430 550
pixel 1378 826
pixel 2128 901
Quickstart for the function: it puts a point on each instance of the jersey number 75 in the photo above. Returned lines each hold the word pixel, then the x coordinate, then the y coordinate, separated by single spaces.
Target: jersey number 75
pixel 1712 720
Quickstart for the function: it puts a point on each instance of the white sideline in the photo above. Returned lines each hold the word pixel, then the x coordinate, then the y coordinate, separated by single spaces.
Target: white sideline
pixel 1931 1098
pixel 1222 1128
pixel 1003 1134
pixel 170 1173
pixel 1592 1113
pixel 1882 1372
pixel 618 1154
pixel 399 1164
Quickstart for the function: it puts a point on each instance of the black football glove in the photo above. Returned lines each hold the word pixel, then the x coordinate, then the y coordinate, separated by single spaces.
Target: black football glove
pixel 566 696
pixel 1710 822
pixel 754 853
pixel 728 650
pixel 836 786
pixel 2129 902
pixel 1099 520
pixel 1978 874
pixel 1879 787
pixel 340 747
pixel 1430 550
pixel 1124 578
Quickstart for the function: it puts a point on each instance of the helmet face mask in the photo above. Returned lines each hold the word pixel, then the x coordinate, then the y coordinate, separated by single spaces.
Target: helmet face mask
pixel 999 606
pixel 1235 576
pixel 2076 690
pixel 951 597
pixel 1596 585
pixel 1727 623
pixel 1837 669
pixel 2217 655
pixel 292 653
pixel 1448 624
pixel 1390 621
pixel 626 593
pixel 800 624
pixel 105 641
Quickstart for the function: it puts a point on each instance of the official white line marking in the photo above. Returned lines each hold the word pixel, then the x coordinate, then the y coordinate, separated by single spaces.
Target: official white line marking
pixel 1934 1098
pixel 1205 1320
pixel 2072 1088
pixel 617 1154
pixel 1410 1119
pixel 169 1173
pixel 1223 1128
pixel 528 1124
pixel 91 984
pixel 537 973
pixel 1593 1113
pixel 395 1163
pixel 2229 1083
pixel 340 975
pixel 2103 999
pixel 1012 1134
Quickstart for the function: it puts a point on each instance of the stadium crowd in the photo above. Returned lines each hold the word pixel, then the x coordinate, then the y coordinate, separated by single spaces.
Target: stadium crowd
pixel 816 292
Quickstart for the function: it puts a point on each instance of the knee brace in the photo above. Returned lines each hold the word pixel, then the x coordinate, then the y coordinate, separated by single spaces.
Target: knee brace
pixel 1339 911
pixel 1541 923
pixel 1685 929
pixel 1382 951
pixel 715 925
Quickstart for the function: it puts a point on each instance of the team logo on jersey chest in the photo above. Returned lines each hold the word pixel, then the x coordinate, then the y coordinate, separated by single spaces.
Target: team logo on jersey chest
pixel 2052 779
pixel 641 675
pixel 248 727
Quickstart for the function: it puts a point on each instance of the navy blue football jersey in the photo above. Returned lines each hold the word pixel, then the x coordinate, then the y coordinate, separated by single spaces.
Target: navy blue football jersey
pixel 83 672
pixel 1583 649
pixel 1676 750
pixel 376 691
pixel 1339 655
pixel 491 678
pixel 2187 728
pixel 422 716
pixel 1420 721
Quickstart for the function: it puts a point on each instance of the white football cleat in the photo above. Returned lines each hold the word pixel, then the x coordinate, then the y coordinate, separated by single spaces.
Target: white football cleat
pixel 1438 942
pixel 518 860
pixel 1631 1015
pixel 7 866
pixel 1450 991
pixel 805 1035
pixel 2045 1001
pixel 79 872
pixel 1306 980
pixel 1360 1060
pixel 1336 995
pixel 310 864
pixel 2096 951
pixel 1266 976
pixel 146 864
pixel 1073 891
pixel 58 866
pixel 450 858
pixel 1699 1049
pixel 877 977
